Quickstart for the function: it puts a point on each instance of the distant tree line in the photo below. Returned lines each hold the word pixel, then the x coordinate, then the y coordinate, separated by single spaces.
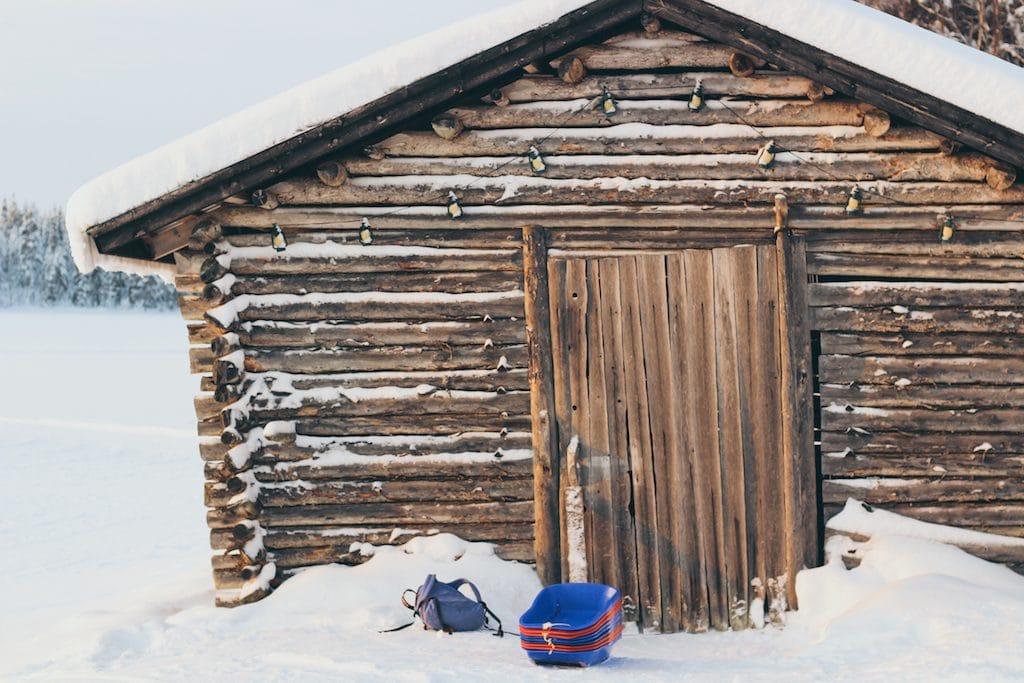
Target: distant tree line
pixel 36 268
pixel 994 26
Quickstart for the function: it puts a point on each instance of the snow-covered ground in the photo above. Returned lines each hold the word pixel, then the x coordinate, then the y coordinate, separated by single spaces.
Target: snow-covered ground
pixel 104 569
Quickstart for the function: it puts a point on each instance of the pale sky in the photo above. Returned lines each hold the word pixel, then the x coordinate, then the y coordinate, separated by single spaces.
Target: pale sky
pixel 88 84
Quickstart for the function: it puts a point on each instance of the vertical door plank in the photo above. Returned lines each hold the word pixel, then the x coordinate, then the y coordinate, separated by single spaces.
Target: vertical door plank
pixel 702 378
pixel 621 486
pixel 638 424
pixel 576 297
pixel 687 535
pixel 731 440
pixel 654 321
pixel 751 400
pixel 598 492
pixel 547 547
pixel 560 364
pixel 768 434
pixel 797 409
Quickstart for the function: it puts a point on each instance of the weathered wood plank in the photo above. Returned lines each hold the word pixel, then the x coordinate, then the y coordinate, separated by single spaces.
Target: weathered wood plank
pixel 839 418
pixel 392 491
pixel 392 281
pixel 558 291
pixel 399 513
pixel 800 472
pixel 531 88
pixel 912 443
pixel 920 369
pixel 913 344
pixel 330 333
pixel 923 396
pixel 639 138
pixel 882 490
pixel 917 267
pixel 264 409
pixel 636 56
pixel 456 380
pixel 921 320
pixel 428 424
pixel 702 377
pixel 386 358
pixel 823 166
pixel 728 271
pixel 638 411
pixel 403 466
pixel 975 465
pixel 400 447
pixel 547 542
pixel 927 294
pixel 369 260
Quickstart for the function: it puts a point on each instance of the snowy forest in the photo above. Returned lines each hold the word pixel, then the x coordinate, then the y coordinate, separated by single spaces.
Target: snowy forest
pixel 36 268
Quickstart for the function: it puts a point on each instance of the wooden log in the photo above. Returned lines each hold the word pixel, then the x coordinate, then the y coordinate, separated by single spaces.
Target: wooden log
pixel 225 344
pixel 447 126
pixel 429 424
pixel 929 396
pixel 916 267
pixel 570 69
pixel 970 218
pixel 264 408
pixel 945 320
pixel 949 147
pixel 650 22
pixel 343 307
pixel 452 238
pixel 826 166
pixel 404 190
pixel 797 412
pixel 332 173
pixel 494 469
pixel 456 283
pixel 913 344
pixel 816 92
pixel 212 269
pixel 263 199
pixel 228 371
pixel 388 491
pixel 455 380
pixel 205 232
pixel 648 139
pixel 778 84
pixel 929 294
pixel 314 537
pixel 1002 518
pixel 200 360
pixel 839 418
pixel 876 122
pixel 879 490
pixel 920 369
pixel 979 244
pixel 542 406
pixel 399 513
pixel 330 334
pixel 188 284
pixel 920 443
pixel 944 465
pixel 644 55
pixel 574 114
pixel 206 406
pixel 1001 176
pixel 394 358
pixel 373 260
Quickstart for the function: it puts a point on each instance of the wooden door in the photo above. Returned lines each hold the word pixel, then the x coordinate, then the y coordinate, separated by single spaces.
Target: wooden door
pixel 668 379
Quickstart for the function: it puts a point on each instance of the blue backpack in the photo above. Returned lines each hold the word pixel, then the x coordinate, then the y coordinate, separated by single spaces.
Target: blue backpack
pixel 441 606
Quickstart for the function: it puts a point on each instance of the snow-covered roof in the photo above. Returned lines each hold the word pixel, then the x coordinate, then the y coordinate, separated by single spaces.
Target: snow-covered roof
pixel 907 54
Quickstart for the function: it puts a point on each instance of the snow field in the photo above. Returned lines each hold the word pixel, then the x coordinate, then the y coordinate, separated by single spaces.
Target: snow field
pixel 106 563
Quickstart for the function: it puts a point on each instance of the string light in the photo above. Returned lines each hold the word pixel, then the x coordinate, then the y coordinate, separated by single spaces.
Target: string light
pixel 696 102
pixel 947 229
pixel 766 155
pixel 454 208
pixel 277 240
pixel 608 102
pixel 537 164
pixel 366 233
pixel 854 200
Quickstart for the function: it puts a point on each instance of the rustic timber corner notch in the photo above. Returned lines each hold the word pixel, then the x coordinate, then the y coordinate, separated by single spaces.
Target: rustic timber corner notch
pixel 647 352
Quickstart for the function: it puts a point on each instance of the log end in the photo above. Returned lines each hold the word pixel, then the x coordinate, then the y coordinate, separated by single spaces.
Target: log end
pixel 816 92
pixel 1000 176
pixel 332 173
pixel 741 65
pixel 649 22
pixel 572 70
pixel 949 147
pixel 448 126
pixel 877 122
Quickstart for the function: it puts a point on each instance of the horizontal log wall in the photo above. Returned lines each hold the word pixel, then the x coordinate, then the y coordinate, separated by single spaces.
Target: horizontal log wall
pixel 920 376
pixel 313 336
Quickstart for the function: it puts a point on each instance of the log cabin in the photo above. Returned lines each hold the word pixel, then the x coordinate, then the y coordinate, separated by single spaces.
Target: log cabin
pixel 639 291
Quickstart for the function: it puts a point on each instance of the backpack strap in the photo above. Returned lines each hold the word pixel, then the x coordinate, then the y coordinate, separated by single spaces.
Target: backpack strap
pixel 466 582
pixel 499 632
pixel 408 607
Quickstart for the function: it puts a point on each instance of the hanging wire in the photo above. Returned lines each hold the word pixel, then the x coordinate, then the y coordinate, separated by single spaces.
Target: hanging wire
pixel 573 113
